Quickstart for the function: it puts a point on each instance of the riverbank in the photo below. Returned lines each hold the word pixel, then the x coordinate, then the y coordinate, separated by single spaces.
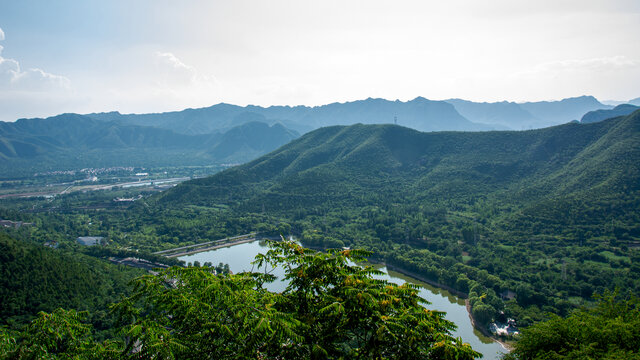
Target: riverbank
pixel 436 284
pixel 507 346
pixel 212 247
pixel 483 330
pixel 424 279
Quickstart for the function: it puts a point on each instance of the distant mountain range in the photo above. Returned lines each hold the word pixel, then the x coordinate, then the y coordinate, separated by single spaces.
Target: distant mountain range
pixel 635 101
pixel 599 115
pixel 528 115
pixel 420 114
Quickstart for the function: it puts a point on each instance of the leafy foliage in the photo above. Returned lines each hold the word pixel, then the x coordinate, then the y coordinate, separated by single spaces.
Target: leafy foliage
pixel 610 330
pixel 60 334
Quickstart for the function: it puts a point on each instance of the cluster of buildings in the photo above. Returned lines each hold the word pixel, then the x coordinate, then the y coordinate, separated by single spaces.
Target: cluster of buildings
pixel 87 171
pixel 131 199
pixel 509 329
pixel 90 240
pixel 14 224
pixel 139 263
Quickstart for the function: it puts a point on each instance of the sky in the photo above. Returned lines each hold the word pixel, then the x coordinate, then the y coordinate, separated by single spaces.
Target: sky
pixel 154 56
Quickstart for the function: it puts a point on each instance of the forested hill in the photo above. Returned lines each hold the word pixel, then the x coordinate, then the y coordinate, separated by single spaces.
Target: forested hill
pixel 83 141
pixel 354 163
pixel 34 278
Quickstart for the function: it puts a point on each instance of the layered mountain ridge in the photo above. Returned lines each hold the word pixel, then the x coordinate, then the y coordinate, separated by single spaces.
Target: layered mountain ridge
pixel 528 115
pixel 420 114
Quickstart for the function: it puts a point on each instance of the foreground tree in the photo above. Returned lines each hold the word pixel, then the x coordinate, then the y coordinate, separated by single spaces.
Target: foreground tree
pixel 60 334
pixel 332 308
pixel 610 330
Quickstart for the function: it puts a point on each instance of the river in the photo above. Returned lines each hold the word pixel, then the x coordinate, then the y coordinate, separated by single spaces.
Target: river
pixel 239 258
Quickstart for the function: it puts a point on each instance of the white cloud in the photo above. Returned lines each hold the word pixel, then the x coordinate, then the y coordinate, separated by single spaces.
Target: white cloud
pixel 147 80
pixel 173 61
pixel 172 72
pixel 603 77
pixel 29 92
pixel 13 78
pixel 590 65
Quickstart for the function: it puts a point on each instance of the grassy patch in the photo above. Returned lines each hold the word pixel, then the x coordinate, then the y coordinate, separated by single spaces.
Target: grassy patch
pixel 205 208
pixel 575 300
pixel 597 264
pixel 611 256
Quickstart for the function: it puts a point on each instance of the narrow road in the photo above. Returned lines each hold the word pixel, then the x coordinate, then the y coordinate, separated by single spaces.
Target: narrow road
pixel 209 245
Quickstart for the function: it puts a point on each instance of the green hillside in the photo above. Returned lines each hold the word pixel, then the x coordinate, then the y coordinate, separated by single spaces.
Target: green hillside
pixel 36 278
pixel 75 141
pixel 550 214
pixel 437 167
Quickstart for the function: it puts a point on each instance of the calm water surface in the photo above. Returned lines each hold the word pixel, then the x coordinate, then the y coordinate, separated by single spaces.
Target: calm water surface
pixel 239 258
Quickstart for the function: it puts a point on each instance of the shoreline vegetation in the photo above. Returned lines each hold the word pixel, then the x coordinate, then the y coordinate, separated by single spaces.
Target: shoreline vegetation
pixel 507 346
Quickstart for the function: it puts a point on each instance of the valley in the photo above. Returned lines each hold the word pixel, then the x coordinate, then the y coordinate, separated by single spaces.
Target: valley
pixel 58 182
pixel 522 224
pixel 311 180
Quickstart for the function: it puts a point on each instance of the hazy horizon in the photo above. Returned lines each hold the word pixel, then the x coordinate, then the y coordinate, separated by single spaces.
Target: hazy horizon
pixel 148 56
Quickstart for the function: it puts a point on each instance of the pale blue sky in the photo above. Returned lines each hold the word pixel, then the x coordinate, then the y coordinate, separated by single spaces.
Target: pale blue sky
pixel 151 56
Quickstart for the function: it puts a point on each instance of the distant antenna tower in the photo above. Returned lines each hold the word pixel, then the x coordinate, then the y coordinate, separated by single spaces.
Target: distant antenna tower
pixel 395 120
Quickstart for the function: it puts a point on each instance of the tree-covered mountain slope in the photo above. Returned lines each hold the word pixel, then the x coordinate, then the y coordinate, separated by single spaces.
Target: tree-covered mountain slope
pixel 550 215
pixel 35 278
pixel 78 132
pixel 250 140
pixel 526 166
